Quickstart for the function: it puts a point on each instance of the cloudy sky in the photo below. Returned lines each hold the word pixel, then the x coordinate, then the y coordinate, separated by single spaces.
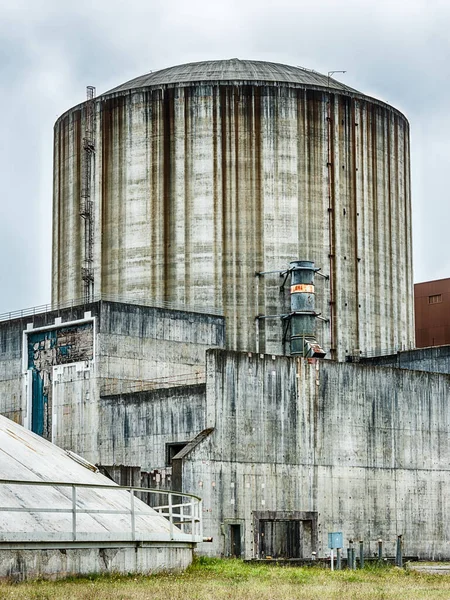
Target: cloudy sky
pixel 396 50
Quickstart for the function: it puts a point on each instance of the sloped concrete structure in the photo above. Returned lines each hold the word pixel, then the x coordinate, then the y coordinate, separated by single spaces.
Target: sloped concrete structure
pixel 84 523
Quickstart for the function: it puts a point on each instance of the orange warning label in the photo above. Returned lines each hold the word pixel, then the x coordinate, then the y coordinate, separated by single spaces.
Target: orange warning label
pixel 305 288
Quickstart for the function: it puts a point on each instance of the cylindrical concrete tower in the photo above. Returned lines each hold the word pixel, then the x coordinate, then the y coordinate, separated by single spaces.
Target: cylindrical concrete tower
pixel 206 173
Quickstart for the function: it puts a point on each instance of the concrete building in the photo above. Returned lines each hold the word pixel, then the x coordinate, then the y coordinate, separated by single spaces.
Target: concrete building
pixel 91 350
pixel 281 449
pixel 432 312
pixel 182 184
pixel 186 186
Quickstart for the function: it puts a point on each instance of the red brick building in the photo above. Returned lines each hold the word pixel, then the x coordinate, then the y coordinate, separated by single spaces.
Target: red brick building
pixel 432 312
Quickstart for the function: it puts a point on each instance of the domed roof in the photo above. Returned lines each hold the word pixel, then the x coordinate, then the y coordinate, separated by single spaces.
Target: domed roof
pixel 233 69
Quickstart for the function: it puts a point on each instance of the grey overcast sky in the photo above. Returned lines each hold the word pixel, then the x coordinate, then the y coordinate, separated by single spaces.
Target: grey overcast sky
pixel 395 50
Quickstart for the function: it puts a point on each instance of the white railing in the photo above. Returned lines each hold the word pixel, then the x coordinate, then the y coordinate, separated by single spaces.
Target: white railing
pixel 182 511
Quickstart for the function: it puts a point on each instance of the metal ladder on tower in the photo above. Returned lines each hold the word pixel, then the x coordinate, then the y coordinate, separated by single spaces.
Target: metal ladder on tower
pixel 86 203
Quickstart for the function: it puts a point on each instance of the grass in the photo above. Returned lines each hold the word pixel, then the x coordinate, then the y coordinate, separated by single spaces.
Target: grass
pixel 233 580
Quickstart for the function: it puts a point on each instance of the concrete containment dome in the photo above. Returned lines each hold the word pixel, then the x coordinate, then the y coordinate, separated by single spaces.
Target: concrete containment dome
pixel 181 184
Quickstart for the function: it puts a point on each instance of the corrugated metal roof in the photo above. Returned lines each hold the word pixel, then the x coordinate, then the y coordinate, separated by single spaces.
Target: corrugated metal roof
pixel 233 69
pixel 27 457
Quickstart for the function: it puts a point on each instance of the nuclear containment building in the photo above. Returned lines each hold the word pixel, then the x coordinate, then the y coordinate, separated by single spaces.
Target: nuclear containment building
pixel 232 311
pixel 207 173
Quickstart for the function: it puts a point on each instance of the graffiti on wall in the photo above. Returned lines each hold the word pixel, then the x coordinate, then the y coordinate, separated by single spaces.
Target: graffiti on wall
pixel 49 348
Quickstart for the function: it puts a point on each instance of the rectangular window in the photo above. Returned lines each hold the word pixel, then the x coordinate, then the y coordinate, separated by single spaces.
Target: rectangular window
pixel 435 299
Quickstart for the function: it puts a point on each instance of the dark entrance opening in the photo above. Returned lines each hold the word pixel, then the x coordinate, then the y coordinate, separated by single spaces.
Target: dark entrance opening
pixel 235 541
pixel 172 449
pixel 285 539
pixel 285 534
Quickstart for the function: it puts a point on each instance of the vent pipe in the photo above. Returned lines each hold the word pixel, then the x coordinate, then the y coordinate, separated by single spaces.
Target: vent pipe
pixel 303 314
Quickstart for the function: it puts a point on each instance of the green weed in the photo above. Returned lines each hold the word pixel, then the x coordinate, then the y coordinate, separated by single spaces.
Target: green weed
pixel 233 579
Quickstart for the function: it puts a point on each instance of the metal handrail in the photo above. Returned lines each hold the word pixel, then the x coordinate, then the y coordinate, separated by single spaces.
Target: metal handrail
pixel 174 512
pixel 150 302
pixel 380 352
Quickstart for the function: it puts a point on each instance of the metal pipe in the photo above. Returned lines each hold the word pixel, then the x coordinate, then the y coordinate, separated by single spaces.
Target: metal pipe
pixel 170 516
pixel 74 513
pixel 133 516
pixel 399 554
pixel 303 314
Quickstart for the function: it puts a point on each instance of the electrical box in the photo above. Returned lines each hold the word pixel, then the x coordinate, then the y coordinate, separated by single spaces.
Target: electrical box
pixel 335 540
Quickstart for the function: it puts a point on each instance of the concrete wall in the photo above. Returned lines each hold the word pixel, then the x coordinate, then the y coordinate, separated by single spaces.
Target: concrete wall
pixel 46 350
pixel 432 360
pixel 198 186
pixel 145 348
pixel 132 429
pixel 135 348
pixel 22 565
pixel 11 386
pixel 13 380
pixel 366 448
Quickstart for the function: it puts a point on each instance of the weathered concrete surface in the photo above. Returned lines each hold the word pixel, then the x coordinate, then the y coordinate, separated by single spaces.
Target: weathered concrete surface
pixel 144 348
pixel 433 360
pixel 20 565
pixel 199 185
pixel 11 386
pixel 135 348
pixel 366 448
pixel 134 429
pixel 431 569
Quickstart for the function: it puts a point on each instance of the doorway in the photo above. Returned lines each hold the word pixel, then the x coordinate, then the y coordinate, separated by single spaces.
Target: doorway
pixel 235 540
pixel 285 535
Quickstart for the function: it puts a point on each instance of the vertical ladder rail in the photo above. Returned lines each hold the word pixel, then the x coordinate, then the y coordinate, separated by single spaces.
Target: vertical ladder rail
pixel 86 203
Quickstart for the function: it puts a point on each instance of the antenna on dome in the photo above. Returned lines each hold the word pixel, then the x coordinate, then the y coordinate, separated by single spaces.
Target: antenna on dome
pixel 330 73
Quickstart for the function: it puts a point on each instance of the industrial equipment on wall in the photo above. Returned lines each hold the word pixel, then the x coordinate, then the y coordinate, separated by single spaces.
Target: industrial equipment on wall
pixel 303 316
pixel 208 172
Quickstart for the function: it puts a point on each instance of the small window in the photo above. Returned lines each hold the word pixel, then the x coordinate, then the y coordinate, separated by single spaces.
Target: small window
pixel 435 299
pixel 172 449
